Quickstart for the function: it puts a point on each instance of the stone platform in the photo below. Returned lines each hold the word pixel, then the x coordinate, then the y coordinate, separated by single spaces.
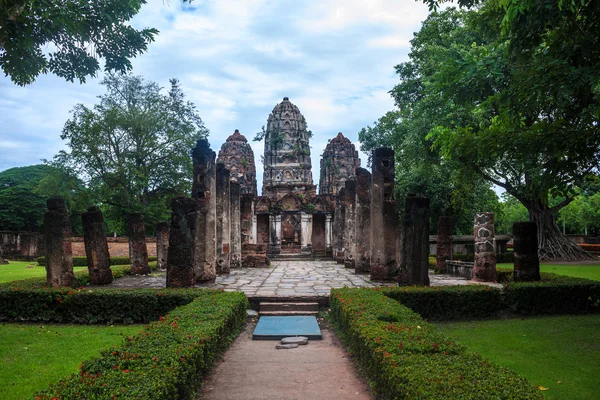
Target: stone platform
pixel 288 280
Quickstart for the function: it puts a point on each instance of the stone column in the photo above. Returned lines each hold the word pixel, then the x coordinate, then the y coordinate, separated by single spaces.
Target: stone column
pixel 138 252
pixel 180 258
pixel 349 223
pixel 254 230
pixel 223 219
pixel 248 219
pixel 275 234
pixel 338 227
pixel 306 221
pixel 484 267
pixel 59 253
pixel 204 192
pixel 162 244
pixel 444 243
pixel 384 217
pixel 328 229
pixel 414 266
pixel 96 247
pixel 527 263
pixel 236 231
pixel 363 222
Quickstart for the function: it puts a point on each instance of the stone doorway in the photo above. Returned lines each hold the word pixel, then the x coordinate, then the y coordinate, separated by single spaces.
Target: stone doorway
pixel 318 232
pixel 262 229
pixel 290 230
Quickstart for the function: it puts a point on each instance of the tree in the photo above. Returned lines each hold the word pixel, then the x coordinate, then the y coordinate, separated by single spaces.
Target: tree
pixel 77 33
pixel 512 211
pixel 453 191
pixel 132 149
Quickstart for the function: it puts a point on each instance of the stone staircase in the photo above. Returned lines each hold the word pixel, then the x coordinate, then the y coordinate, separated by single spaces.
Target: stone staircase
pixel 288 308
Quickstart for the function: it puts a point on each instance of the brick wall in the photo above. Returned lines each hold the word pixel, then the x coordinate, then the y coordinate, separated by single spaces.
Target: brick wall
pixel 117 247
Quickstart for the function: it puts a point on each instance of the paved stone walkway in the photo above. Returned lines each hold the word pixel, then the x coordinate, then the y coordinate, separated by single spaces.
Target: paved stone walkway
pixel 284 279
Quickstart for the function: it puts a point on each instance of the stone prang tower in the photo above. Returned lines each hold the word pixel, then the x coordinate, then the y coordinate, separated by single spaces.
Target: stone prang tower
pixel 338 164
pixel 287 165
pixel 238 157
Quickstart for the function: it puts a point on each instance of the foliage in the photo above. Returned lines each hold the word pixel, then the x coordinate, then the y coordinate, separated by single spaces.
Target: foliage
pixel 31 356
pixel 566 347
pixel 449 303
pixel 512 211
pixel 406 357
pixel 582 215
pixel 77 32
pixel 24 191
pixel 81 261
pixel 165 360
pixel 452 190
pixel 132 148
pixel 526 88
pixel 500 257
pixel 553 294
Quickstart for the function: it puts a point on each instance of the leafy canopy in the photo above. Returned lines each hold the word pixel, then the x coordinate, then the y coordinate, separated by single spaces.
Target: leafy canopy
pixel 67 37
pixel 133 147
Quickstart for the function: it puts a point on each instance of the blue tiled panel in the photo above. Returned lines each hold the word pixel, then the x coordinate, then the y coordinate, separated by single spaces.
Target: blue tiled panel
pixel 276 328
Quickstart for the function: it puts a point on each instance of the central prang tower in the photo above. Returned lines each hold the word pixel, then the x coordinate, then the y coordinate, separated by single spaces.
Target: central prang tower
pixel 287 165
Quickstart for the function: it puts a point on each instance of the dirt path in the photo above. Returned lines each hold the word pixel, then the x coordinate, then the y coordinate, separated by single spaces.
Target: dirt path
pixel 255 370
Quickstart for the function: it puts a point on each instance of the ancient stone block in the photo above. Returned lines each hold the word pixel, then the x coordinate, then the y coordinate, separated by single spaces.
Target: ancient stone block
pixel 275 234
pixel 338 163
pixel 444 242
pixel 363 222
pixel 236 231
pixel 204 192
pixel 306 227
pixel 96 247
pixel 223 219
pixel 414 268
pixel 339 231
pixel 57 234
pixel 527 263
pixel 484 267
pixel 349 222
pixel 384 217
pixel 180 258
pixel 138 252
pixel 162 244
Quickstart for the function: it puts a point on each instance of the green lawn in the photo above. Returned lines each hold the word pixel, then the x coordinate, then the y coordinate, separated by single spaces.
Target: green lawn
pixel 33 356
pixel 17 270
pixel 589 271
pixel 559 353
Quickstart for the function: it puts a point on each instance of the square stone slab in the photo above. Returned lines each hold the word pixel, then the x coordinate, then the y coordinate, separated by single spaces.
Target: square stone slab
pixel 277 328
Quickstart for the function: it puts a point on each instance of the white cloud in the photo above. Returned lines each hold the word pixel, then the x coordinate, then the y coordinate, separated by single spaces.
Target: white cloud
pixel 236 60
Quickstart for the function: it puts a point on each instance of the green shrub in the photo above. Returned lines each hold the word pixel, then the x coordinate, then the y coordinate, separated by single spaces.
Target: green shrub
pixel 504 274
pixel 449 302
pixel 407 358
pixel 431 261
pixel 166 359
pixel 81 261
pixel 553 294
pixel 507 257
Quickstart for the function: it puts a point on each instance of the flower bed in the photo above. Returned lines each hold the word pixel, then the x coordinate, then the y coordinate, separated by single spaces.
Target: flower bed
pixel 407 358
pixel 167 357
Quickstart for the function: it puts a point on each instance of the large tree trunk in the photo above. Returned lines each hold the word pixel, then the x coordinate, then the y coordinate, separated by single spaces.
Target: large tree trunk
pixel 552 243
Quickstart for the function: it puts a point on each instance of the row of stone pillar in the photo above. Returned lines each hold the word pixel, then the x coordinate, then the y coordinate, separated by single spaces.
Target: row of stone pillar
pixel 367 235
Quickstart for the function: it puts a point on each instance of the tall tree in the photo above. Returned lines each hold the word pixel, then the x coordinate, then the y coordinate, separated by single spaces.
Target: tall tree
pixel 453 191
pixel 67 37
pixel 133 148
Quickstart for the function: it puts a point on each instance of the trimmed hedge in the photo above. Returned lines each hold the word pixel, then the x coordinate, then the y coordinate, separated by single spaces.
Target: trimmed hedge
pixel 166 359
pixel 507 257
pixel 448 302
pixel 553 294
pixel 81 261
pixel 407 358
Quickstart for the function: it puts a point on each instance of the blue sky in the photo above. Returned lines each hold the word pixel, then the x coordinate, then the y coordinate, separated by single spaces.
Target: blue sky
pixel 235 61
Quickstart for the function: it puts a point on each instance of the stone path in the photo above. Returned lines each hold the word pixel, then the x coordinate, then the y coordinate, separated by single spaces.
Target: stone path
pixel 284 279
pixel 256 370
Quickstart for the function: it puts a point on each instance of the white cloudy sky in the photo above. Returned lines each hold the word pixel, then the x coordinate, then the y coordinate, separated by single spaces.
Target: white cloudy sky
pixel 236 60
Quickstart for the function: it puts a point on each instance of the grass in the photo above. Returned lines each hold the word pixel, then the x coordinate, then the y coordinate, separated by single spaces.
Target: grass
pixel 17 270
pixel 589 271
pixel 559 353
pixel 33 356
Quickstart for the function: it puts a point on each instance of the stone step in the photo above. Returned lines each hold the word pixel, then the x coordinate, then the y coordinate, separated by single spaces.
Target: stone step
pixel 289 306
pixel 286 313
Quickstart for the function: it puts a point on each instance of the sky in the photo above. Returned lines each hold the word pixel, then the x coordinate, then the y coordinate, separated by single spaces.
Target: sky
pixel 235 61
